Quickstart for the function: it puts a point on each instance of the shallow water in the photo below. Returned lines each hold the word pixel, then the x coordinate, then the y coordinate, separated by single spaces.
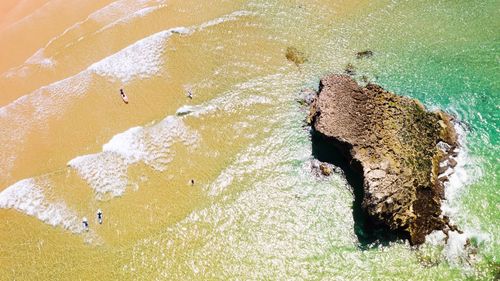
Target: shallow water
pixel 255 210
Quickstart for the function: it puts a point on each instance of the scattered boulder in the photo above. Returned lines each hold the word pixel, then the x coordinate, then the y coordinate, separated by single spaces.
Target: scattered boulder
pixel 364 54
pixel 395 142
pixel 350 69
pixel 294 55
pixel 307 96
pixel 325 170
pixel 452 162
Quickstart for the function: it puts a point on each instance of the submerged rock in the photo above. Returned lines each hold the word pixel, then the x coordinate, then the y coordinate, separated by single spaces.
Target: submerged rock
pixel 325 170
pixel 321 169
pixel 392 141
pixel 350 69
pixel 364 54
pixel 294 55
pixel 307 97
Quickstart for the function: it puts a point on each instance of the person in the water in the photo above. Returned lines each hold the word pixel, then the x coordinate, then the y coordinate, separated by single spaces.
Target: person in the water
pixel 85 224
pixel 124 97
pixel 190 94
pixel 99 216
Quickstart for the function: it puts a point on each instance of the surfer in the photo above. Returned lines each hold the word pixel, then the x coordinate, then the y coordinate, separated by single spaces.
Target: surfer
pixel 85 224
pixel 124 97
pixel 191 182
pixel 190 94
pixel 99 216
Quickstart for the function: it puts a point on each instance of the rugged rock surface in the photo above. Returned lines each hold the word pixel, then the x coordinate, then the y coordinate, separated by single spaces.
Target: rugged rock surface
pixel 398 148
pixel 364 54
pixel 294 55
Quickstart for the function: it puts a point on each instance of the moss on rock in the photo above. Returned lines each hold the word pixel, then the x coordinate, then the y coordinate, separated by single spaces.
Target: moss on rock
pixel 395 139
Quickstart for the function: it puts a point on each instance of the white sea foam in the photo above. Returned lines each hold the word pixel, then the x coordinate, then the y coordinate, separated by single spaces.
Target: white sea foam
pixel 130 62
pixel 455 248
pixel 435 238
pixel 128 18
pixel 106 172
pixel 229 17
pixel 38 58
pixel 118 12
pixel 464 173
pixel 18 118
pixel 128 144
pixel 122 12
pixel 139 60
pixel 143 58
pixel 194 110
pixel 28 197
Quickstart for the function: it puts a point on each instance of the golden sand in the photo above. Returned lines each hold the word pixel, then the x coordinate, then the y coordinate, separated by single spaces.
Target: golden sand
pixel 42 143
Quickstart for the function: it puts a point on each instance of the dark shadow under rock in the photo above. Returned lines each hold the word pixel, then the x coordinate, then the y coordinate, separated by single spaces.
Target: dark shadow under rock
pixel 394 147
pixel 368 232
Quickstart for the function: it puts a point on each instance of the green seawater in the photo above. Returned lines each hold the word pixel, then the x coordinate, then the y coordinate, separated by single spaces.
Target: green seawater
pixel 271 219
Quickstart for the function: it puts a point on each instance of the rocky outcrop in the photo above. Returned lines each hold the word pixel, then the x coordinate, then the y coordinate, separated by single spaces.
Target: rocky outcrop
pixel 399 145
pixel 364 54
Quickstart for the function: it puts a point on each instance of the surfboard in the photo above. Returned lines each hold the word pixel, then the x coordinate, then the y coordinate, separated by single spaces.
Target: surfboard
pixel 124 97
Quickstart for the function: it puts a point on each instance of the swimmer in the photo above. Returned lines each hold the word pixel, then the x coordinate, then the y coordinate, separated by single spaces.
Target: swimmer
pixel 85 224
pixel 99 216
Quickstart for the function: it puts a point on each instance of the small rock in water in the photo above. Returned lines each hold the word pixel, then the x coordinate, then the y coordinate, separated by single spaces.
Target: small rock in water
pixel 307 96
pixel 452 162
pixel 350 70
pixel 294 55
pixel 443 178
pixel 364 54
pixel 325 170
pixel 443 146
pixel 443 166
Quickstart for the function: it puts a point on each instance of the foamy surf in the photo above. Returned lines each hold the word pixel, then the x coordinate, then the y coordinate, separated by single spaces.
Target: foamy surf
pixel 106 172
pixel 456 245
pixel 30 112
pixel 28 197
pixel 140 60
pixel 114 14
pixel 465 173
pixel 40 59
pixel 143 58
pixel 130 62
pixel 118 12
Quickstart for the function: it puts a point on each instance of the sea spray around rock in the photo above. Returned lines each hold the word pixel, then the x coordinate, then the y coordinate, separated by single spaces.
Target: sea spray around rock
pixel 398 149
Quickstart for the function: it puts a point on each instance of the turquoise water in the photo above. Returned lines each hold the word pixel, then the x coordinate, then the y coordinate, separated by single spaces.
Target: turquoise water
pixel 457 69
pixel 259 213
pixel 275 216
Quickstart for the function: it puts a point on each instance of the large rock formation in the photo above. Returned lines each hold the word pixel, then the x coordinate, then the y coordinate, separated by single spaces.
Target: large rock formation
pixel 399 146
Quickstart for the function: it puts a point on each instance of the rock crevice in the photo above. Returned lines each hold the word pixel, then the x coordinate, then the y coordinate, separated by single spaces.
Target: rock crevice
pixel 401 147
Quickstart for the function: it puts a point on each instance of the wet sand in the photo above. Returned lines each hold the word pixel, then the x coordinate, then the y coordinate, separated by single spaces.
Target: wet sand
pixel 64 103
